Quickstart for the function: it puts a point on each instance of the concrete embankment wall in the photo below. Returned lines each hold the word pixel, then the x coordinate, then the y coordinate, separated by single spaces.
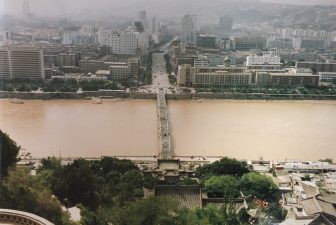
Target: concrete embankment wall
pixel 249 96
pixel 71 95
pixel 137 95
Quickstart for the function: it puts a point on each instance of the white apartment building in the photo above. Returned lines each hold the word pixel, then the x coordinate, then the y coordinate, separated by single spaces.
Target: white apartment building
pixel 201 61
pixel 212 76
pixel 111 38
pixel 222 78
pixel 267 61
pixel 128 42
pixel 123 42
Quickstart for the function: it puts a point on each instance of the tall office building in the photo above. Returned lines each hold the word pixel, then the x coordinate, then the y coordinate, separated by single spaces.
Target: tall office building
pixel 142 17
pixel 225 23
pixel 128 42
pixel 189 28
pixel 153 27
pixel 123 42
pixel 21 63
pixel 26 8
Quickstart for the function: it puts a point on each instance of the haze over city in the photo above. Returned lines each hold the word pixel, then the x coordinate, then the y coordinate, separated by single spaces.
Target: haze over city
pixel 70 8
pixel 167 112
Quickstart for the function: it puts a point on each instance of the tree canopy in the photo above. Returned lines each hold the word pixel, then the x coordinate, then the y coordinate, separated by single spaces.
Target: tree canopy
pixel 225 166
pixel 20 191
pixel 260 186
pixel 222 186
pixel 8 153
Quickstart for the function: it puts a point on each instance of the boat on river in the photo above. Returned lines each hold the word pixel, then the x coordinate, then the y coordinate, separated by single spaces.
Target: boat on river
pixel 97 100
pixel 17 101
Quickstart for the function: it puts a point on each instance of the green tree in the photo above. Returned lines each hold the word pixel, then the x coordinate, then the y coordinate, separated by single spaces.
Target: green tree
pixel 150 211
pixel 225 166
pixel 8 153
pixel 260 186
pixel 21 191
pixel 222 186
pixel 81 184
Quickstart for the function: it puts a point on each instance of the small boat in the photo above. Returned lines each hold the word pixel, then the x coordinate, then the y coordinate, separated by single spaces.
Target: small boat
pixel 279 167
pixel 97 100
pixel 199 100
pixel 17 101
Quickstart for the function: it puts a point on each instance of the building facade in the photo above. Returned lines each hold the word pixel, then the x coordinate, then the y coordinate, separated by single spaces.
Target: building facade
pixel 221 78
pixel 248 43
pixel 119 72
pixel 327 76
pixel 287 79
pixel 267 61
pixel 121 42
pixel 21 63
pixel 206 41
pixel 317 67
pixel 184 74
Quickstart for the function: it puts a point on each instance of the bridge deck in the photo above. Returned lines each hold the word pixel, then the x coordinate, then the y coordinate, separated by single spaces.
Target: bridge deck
pixel 164 134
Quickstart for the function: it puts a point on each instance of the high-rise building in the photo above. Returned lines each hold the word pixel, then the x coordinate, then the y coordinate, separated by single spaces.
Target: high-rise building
pixel 121 42
pixel 21 63
pixel 142 17
pixel 206 41
pixel 128 42
pixel 153 27
pixel 125 42
pixel 26 8
pixel 225 23
pixel 189 28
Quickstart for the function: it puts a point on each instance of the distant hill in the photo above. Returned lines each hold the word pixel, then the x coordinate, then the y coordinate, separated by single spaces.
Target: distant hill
pixel 303 2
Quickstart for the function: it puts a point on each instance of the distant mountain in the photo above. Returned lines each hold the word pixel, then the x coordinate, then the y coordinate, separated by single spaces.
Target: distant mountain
pixel 303 2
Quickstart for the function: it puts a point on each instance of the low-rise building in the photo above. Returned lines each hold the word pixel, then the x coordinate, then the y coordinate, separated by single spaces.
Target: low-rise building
pixel 286 79
pixel 291 79
pixel 317 67
pixel 266 61
pixel 222 78
pixel 119 72
pixel 327 76
pixel 248 43
pixel 298 56
pixel 91 66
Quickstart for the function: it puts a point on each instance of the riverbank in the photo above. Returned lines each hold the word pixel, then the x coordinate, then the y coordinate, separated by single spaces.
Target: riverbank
pixel 138 95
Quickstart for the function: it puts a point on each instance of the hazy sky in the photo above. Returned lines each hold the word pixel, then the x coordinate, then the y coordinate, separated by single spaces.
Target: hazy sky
pixel 73 7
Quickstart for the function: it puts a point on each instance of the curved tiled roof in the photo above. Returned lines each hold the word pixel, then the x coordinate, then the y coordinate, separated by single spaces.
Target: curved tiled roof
pixel 188 196
pixel 15 217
